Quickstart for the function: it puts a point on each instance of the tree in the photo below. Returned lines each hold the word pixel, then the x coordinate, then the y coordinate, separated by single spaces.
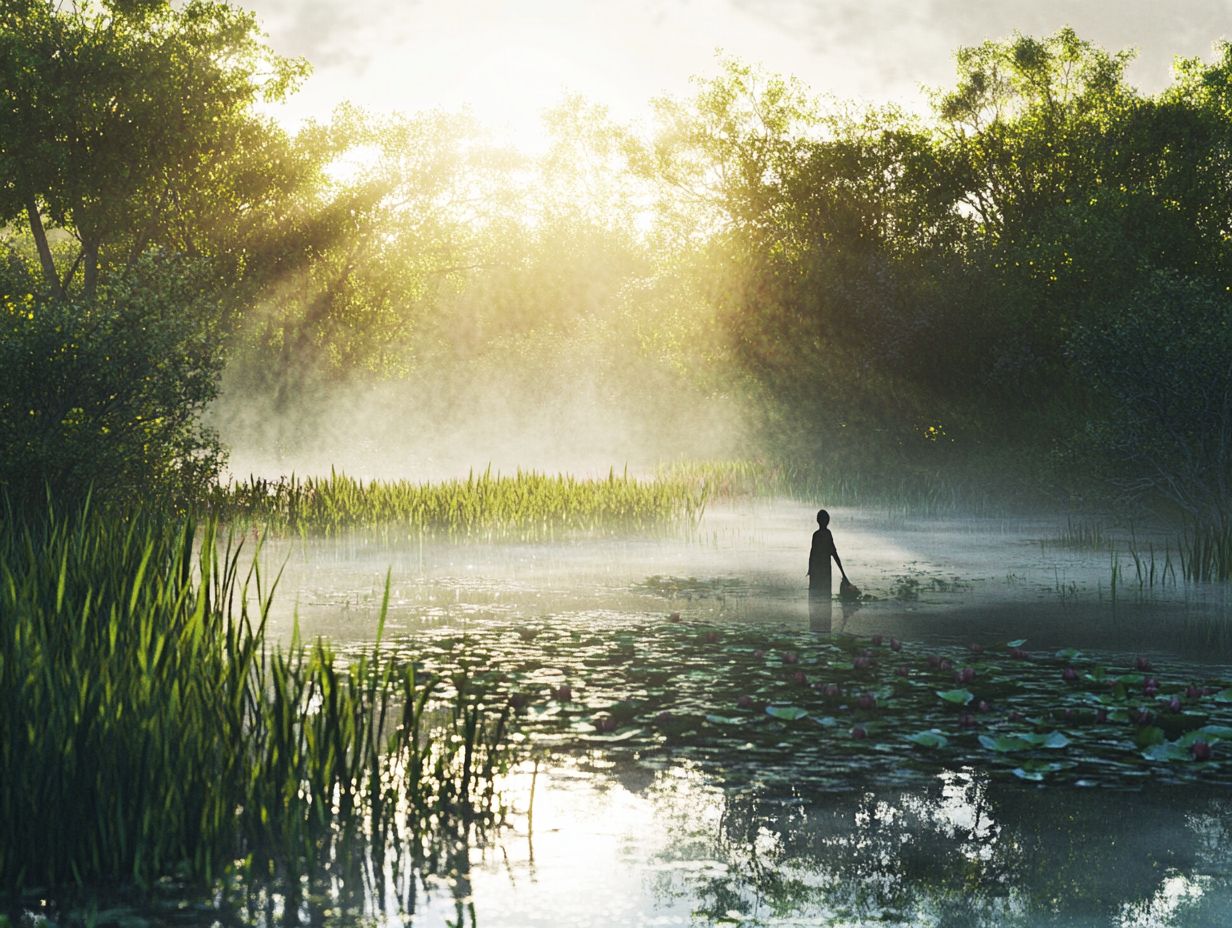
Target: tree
pixel 1160 363
pixel 118 121
pixel 107 395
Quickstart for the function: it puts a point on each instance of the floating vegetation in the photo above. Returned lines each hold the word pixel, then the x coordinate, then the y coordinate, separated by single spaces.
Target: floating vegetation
pixel 910 587
pixel 690 588
pixel 148 729
pixel 527 505
pixel 765 706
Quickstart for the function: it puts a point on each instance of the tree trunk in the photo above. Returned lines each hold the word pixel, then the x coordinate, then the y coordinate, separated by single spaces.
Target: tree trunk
pixel 90 251
pixel 44 250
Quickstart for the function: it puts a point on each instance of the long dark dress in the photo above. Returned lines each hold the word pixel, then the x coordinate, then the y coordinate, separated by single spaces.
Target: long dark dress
pixel 819 562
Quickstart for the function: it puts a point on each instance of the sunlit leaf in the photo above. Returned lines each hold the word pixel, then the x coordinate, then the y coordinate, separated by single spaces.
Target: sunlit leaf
pixel 958 697
pixel 786 713
pixel 928 739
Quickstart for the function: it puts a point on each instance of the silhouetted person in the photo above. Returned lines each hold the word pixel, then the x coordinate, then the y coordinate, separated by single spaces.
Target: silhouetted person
pixel 819 558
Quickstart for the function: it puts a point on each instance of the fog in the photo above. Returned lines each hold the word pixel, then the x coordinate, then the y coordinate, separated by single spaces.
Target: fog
pixel 550 407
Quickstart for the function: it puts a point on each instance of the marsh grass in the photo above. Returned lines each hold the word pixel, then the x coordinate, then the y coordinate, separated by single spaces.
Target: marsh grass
pixel 525 506
pixel 149 730
pixel 1081 534
pixel 1152 569
pixel 1206 553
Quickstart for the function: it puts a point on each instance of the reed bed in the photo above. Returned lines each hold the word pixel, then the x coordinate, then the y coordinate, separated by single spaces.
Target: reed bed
pixel 527 505
pixel 148 728
pixel 1083 534
pixel 1206 553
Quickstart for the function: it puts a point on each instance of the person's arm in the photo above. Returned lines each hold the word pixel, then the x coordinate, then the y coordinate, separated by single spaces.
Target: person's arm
pixel 838 561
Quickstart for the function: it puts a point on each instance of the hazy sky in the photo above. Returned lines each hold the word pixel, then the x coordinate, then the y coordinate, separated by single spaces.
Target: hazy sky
pixel 509 60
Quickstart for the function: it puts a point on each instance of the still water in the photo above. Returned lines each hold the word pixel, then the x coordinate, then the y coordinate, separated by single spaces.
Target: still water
pixel 597 839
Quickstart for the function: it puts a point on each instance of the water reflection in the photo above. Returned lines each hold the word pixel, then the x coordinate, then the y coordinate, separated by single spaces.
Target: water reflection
pixel 956 581
pixel 630 846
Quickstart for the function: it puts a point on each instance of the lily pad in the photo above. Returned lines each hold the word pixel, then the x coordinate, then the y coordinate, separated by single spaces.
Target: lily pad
pixel 786 713
pixel 958 697
pixel 928 739
pixel 1037 771
pixel 1167 751
pixel 1006 744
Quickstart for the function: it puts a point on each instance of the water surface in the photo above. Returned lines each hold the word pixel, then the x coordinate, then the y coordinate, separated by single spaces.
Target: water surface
pixel 615 841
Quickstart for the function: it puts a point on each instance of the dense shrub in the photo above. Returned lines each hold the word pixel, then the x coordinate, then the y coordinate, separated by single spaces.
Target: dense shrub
pixel 1160 364
pixel 107 393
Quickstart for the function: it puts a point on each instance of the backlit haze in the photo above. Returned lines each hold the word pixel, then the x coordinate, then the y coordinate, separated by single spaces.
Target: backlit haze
pixel 508 61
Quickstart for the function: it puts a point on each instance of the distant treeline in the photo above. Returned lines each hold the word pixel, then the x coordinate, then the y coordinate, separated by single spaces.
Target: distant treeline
pixel 1030 288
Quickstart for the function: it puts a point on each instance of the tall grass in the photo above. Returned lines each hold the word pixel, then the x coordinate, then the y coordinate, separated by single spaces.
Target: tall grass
pixel 148 728
pixel 1206 552
pixel 1082 534
pixel 527 505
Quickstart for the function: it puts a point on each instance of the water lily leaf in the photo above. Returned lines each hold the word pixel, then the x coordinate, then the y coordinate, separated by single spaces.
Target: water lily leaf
pixel 1224 696
pixel 1037 770
pixel 1167 751
pixel 1054 740
pixel 1207 733
pixel 825 721
pixel 1149 735
pixel 1069 654
pixel 724 720
pixel 1005 744
pixel 1016 643
pixel 786 713
pixel 928 739
pixel 958 697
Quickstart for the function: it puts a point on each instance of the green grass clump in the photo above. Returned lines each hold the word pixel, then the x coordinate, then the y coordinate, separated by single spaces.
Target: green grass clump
pixel 526 506
pixel 149 729
pixel 1206 553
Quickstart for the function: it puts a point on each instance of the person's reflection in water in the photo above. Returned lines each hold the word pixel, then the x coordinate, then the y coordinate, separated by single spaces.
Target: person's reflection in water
pixel 821 612
pixel 821 591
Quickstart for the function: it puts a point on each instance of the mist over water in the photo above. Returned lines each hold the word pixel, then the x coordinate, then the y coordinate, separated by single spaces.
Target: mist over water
pixel 553 421
pixel 662 841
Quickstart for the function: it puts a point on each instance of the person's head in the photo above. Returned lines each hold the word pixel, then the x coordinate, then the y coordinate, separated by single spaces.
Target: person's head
pixel 823 518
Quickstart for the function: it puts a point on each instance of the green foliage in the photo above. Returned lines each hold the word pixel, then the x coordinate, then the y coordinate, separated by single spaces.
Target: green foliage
pixel 1158 364
pixel 148 728
pixel 894 289
pixel 527 505
pixel 107 394
pixel 120 121
pixel 877 292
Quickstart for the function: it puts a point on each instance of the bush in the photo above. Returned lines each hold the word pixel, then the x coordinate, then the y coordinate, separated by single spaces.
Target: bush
pixel 107 394
pixel 1160 365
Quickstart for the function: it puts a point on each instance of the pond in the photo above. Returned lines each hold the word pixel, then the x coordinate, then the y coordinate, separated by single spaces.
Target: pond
pixel 674 776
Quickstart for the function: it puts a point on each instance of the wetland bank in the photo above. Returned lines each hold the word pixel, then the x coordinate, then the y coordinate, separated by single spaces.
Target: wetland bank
pixel 404 520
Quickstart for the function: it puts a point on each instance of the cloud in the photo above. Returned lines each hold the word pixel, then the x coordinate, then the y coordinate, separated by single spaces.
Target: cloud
pixel 333 34
pixel 892 46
